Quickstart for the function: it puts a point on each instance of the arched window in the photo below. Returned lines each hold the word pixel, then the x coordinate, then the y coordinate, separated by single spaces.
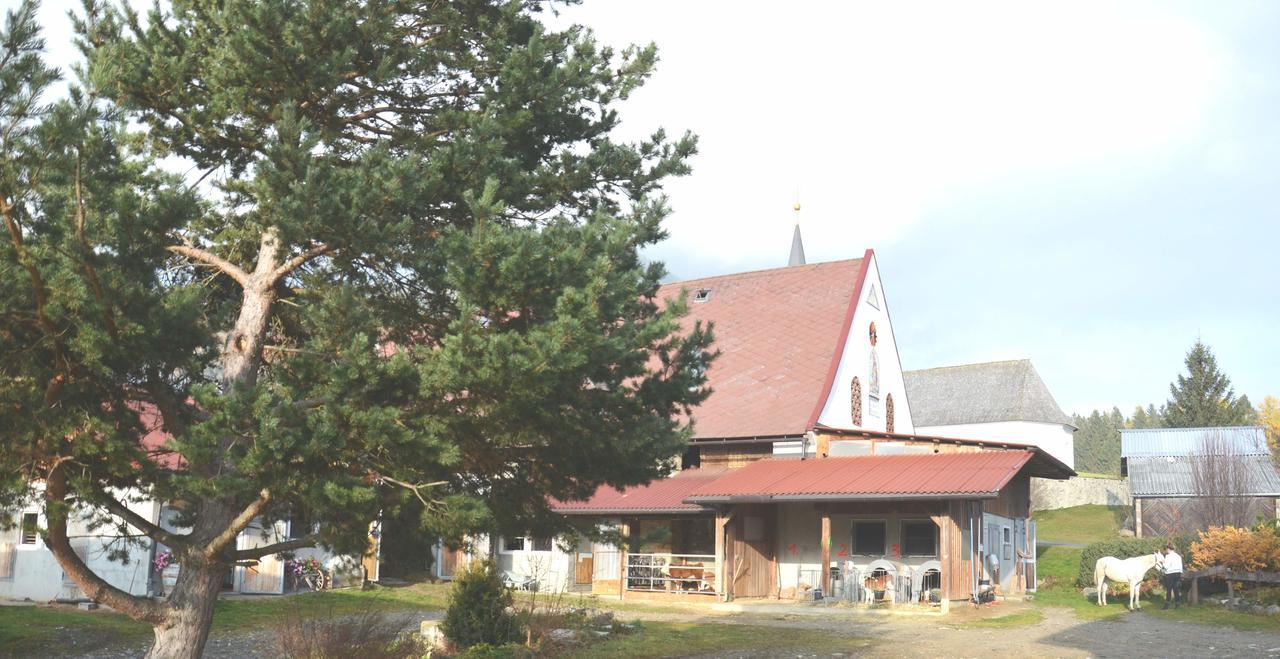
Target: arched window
pixel 855 401
pixel 888 413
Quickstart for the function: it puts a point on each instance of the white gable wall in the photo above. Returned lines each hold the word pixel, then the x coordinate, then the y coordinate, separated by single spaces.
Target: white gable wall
pixel 1055 438
pixel 855 361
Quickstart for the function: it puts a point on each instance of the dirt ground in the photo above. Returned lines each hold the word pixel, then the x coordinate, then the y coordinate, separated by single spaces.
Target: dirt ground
pixel 1060 634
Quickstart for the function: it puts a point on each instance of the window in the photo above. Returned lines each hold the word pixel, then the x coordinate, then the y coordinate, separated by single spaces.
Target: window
pixel 919 538
pixel 513 543
pixel 541 544
pixel 300 525
pixel 1007 545
pixel 29 524
pixel 869 538
pixel 855 401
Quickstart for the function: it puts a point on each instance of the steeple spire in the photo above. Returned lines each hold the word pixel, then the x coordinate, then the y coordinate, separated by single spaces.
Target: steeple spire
pixel 797 245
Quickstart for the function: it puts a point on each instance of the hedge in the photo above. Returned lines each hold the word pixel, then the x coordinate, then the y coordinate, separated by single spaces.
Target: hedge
pixel 1127 548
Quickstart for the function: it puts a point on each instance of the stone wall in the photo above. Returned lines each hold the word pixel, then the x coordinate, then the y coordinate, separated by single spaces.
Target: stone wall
pixel 1048 494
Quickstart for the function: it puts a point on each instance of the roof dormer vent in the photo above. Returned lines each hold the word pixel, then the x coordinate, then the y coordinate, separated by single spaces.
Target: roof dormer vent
pixel 702 295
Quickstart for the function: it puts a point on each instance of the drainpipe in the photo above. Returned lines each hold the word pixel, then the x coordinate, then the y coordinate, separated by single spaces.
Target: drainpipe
pixel 809 439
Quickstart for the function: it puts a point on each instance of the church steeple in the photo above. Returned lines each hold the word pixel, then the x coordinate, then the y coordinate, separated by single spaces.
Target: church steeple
pixel 797 245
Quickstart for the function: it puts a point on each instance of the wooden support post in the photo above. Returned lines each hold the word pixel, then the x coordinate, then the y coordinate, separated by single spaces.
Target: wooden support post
pixel 1195 590
pixel 1231 591
pixel 825 577
pixel 722 520
pixel 622 556
pixel 1137 518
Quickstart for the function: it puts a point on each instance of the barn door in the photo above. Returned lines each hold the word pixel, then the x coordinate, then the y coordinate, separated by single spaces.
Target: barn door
pixel 584 568
pixel 267 576
pixel 752 569
pixel 449 562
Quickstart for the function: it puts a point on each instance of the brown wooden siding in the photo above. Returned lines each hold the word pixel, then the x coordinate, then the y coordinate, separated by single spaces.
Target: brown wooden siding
pixel 752 569
pixel 1014 499
pixel 733 457
pixel 1178 515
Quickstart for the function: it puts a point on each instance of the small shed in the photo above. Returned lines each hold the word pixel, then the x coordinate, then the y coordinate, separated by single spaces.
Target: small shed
pixel 1187 479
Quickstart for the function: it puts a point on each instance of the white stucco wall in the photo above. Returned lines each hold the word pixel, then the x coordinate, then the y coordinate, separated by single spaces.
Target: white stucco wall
pixel 553 570
pixel 855 360
pixel 37 576
pixel 1054 438
pixel 800 546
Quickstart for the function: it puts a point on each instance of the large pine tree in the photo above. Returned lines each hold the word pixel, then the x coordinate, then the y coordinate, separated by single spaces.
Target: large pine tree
pixel 1203 397
pixel 405 266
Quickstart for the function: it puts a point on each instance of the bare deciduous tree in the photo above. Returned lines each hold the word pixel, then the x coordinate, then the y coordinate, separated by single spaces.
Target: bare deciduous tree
pixel 1223 481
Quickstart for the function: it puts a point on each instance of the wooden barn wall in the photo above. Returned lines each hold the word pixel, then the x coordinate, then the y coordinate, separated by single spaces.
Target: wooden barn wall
pixel 1179 515
pixel 1014 500
pixel 733 457
pixel 752 569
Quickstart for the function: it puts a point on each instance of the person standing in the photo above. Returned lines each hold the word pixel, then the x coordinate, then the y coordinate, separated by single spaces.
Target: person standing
pixel 1171 566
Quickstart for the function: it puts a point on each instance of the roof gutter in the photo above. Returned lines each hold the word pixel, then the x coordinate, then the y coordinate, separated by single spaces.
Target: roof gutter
pixel 802 498
pixel 633 511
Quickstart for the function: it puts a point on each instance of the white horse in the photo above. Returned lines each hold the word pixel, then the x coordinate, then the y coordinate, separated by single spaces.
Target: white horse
pixel 1129 570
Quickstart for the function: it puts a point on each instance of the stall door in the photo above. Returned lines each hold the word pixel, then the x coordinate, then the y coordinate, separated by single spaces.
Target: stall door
pixel 584 567
pixel 450 560
pixel 751 569
pixel 267 576
pixel 999 540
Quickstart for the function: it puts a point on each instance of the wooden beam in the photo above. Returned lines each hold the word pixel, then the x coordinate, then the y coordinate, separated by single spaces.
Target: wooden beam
pixel 1137 518
pixel 622 556
pixel 722 520
pixel 825 577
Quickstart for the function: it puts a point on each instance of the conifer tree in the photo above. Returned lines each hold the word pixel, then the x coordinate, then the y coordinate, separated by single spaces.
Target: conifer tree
pixel 406 267
pixel 1203 397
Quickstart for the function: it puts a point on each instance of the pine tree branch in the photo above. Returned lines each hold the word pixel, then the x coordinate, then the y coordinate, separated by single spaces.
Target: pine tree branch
pixel 238 524
pixel 94 586
pixel 224 266
pixel 266 550
pixel 141 523
pixel 298 261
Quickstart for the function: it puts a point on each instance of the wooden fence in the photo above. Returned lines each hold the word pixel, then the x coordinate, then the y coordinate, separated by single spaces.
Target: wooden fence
pixel 1231 576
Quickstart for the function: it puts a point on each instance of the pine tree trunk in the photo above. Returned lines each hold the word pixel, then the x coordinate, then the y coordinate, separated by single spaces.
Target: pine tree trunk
pixel 190 613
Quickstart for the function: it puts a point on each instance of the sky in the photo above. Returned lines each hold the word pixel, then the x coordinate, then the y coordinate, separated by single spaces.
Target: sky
pixel 1091 185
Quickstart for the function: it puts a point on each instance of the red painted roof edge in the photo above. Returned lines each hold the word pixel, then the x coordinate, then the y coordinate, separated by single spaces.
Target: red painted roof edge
pixel 1013 471
pixel 840 342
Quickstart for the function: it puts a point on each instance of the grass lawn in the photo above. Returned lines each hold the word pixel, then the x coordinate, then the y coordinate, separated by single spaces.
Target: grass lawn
pixel 681 639
pixel 32 627
pixel 1080 524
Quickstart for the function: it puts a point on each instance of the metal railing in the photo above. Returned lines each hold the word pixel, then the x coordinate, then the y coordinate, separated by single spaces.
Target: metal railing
pixel 674 573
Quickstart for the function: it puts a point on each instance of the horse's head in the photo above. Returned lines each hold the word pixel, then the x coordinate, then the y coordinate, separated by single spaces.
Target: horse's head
pixel 1159 559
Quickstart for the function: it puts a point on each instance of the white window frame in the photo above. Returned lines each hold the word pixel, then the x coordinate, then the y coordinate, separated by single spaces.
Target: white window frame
pixel 35 541
pixel 524 544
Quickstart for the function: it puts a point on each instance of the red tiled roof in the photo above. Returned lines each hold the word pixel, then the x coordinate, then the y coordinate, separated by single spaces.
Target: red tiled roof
pixel 664 495
pixel 154 439
pixel 934 475
pixel 779 332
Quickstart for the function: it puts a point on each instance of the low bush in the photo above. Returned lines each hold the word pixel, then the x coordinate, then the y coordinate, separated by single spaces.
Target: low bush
pixel 479 608
pixel 1126 548
pixel 364 635
pixel 1244 550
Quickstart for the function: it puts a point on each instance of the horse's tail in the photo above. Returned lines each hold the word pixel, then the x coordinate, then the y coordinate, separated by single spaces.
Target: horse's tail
pixel 1099 572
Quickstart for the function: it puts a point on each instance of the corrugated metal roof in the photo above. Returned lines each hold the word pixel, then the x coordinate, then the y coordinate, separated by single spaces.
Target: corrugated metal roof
pixel 980 393
pixel 978 474
pixel 665 495
pixel 1244 440
pixel 1163 476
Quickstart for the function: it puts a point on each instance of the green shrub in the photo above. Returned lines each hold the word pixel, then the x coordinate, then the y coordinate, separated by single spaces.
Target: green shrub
pixel 1127 548
pixel 478 608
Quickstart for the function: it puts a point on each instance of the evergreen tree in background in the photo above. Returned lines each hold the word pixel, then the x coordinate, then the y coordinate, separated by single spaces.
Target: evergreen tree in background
pixel 1142 418
pixel 1097 441
pixel 1203 397
pixel 406 267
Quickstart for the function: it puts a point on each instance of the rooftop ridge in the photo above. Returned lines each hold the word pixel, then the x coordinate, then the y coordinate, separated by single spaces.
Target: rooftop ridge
pixel 1233 428
pixel 954 366
pixel 762 272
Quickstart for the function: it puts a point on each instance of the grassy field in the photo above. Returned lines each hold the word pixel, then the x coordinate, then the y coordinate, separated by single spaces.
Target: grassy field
pixel 1081 524
pixel 32 627
pixel 677 639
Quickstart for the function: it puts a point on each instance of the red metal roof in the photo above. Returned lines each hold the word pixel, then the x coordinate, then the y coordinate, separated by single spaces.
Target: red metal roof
pixel 664 495
pixel 779 333
pixel 934 475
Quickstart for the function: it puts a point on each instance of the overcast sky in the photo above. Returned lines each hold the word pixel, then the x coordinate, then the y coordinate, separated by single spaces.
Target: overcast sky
pixel 1088 185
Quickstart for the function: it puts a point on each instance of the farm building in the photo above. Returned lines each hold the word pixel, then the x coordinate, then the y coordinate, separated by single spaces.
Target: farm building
pixel 806 473
pixel 1187 479
pixel 28 569
pixel 993 400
